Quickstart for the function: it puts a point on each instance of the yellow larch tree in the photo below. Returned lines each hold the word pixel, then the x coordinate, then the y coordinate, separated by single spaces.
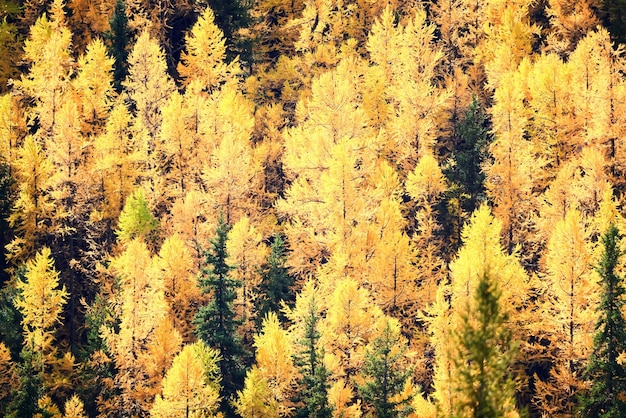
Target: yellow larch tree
pixel 188 218
pixel 329 157
pixel 231 176
pixel 508 39
pixel 176 149
pixel 246 253
pixel 12 129
pixel 204 58
pixel 426 185
pixel 405 57
pixel 191 386
pixel 67 150
pixel 274 369
pixel 74 408
pixel 178 271
pixel 34 204
pixel 8 376
pixel 594 183
pixel 481 254
pixel 41 303
pixel 568 313
pixel 580 184
pixel 388 264
pixel 553 128
pixel 558 199
pixel 569 23
pixel 48 50
pixel 46 405
pixel 256 398
pixel 345 331
pixel 116 163
pixel 148 85
pixel 93 86
pixel 143 313
pixel 510 174
pixel 439 320
pixel 600 90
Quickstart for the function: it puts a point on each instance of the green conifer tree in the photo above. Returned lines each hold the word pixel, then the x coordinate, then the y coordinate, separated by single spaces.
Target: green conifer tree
pixel 276 282
pixel 485 352
pixel 216 323
pixel 464 170
pixel 385 373
pixel 468 155
pixel 315 376
pixel 118 43
pixel 608 377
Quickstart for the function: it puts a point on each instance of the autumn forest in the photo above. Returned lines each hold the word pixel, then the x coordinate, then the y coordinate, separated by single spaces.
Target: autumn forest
pixel 312 208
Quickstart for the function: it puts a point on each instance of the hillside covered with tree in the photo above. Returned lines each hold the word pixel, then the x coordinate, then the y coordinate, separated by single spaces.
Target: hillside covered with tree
pixel 312 208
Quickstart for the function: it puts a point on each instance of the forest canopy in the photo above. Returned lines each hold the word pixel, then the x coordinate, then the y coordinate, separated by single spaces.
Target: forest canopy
pixel 312 208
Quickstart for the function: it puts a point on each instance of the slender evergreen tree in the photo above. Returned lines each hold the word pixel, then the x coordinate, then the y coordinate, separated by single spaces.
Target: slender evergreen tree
pixel 276 282
pixel 118 43
pixel 216 323
pixel 607 395
pixel 463 171
pixel 385 374
pixel 314 381
pixel 485 352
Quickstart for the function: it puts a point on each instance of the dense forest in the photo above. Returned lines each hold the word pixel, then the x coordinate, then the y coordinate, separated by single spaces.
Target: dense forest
pixel 312 208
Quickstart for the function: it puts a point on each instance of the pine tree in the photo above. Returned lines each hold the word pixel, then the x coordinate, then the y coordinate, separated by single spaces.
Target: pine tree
pixel 314 383
pixel 465 172
pixel 606 398
pixel 216 323
pixel 276 282
pixel 385 373
pixel 118 43
pixel 485 352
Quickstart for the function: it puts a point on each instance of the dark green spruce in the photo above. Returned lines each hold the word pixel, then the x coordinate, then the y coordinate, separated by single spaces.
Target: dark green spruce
pixel 315 376
pixel 118 43
pixel 464 170
pixel 465 173
pixel 275 283
pixel 607 395
pixel 216 323
pixel 385 376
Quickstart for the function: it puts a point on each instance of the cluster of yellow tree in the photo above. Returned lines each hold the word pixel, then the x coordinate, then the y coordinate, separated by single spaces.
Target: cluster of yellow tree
pixel 414 158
